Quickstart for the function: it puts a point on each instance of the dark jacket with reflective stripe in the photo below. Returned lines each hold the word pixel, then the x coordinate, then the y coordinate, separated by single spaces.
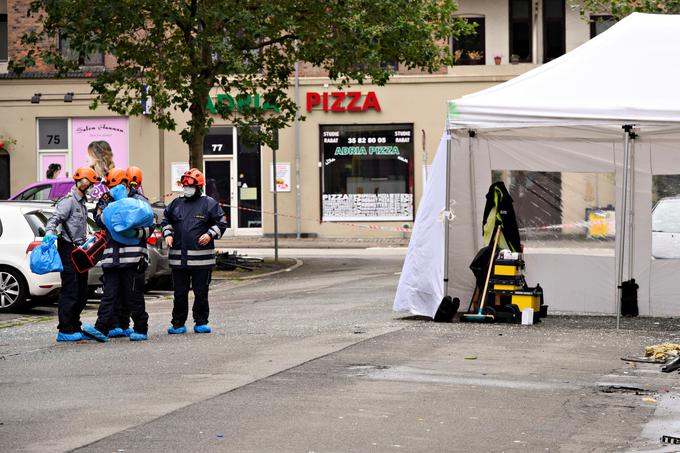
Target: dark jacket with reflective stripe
pixel 186 220
pixel 117 255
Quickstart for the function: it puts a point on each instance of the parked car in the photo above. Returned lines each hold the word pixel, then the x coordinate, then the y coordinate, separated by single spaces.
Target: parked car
pixel 17 238
pixel 22 227
pixel 49 189
pixel 666 229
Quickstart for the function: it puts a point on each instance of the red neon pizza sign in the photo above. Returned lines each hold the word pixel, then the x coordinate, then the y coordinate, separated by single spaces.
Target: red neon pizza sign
pixel 341 101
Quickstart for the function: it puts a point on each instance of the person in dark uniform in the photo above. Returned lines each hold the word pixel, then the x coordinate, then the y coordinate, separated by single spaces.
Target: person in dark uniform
pixel 134 177
pixel 121 265
pixel 191 224
pixel 69 222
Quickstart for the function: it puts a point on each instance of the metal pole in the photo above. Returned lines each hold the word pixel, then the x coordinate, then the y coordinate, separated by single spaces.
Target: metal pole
pixel 276 210
pixel 298 194
pixel 446 217
pixel 631 208
pixel 624 213
pixel 473 189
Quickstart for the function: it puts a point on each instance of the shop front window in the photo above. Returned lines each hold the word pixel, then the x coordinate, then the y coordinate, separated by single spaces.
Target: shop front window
pixel 367 172
pixel 249 185
pixel 563 209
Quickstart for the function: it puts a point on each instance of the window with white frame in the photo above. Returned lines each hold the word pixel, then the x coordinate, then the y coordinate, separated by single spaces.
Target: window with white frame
pixel 469 50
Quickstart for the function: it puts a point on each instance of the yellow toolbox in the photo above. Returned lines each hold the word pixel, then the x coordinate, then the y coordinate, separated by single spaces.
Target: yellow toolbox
pixel 510 268
pixel 507 283
pixel 527 299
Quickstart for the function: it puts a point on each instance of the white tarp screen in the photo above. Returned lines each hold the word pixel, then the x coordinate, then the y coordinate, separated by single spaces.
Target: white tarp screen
pixel 579 279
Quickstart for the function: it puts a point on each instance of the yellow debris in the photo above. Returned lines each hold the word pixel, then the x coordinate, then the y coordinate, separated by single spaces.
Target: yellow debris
pixel 663 351
pixel 649 400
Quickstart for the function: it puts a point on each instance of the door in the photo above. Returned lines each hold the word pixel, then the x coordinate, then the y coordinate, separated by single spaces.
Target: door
pixel 219 184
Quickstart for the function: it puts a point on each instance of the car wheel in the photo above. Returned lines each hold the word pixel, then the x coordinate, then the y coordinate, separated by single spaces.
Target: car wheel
pixel 13 291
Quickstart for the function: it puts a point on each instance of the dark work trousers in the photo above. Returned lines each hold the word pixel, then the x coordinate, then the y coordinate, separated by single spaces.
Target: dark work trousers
pixel 119 284
pixel 73 293
pixel 125 306
pixel 182 280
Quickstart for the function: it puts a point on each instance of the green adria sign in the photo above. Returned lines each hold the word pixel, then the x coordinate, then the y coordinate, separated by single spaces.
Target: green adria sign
pixel 239 103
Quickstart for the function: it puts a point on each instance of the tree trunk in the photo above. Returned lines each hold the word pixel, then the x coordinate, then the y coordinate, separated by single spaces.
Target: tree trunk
pixel 196 151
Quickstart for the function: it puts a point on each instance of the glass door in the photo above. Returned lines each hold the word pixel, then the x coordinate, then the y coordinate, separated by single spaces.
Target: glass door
pixel 219 184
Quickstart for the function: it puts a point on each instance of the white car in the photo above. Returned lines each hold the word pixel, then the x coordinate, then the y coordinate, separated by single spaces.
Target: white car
pixel 666 229
pixel 19 234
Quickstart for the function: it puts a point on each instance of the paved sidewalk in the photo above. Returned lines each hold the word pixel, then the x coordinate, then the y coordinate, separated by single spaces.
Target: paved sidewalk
pixel 310 243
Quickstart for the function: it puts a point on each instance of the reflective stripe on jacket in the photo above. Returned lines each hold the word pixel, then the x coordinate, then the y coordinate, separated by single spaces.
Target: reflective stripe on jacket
pixel 186 220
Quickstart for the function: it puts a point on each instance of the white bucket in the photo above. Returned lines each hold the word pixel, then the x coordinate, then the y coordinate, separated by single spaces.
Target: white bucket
pixel 528 317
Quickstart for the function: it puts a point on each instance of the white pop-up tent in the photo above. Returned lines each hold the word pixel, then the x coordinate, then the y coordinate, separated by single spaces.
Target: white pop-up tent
pixel 609 109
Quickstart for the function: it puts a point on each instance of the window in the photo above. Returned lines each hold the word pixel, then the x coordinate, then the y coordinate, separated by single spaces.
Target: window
pixel 563 209
pixel 4 43
pixel 36 193
pixel 600 24
pixel 367 172
pixel 469 50
pixel 521 31
pixel 93 59
pixel 665 216
pixel 553 29
pixel 219 141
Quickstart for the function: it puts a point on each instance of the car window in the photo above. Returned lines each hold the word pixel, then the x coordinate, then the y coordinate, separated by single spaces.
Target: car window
pixel 37 221
pixel 36 193
pixel 666 216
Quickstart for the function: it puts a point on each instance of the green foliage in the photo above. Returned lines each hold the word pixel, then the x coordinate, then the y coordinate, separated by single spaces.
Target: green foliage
pixel 183 49
pixel 622 8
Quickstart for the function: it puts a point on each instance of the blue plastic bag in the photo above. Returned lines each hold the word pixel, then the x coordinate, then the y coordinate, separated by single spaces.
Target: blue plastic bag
pixel 45 259
pixel 125 214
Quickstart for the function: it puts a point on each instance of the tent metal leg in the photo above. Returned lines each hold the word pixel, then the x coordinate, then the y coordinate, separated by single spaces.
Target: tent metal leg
pixel 446 217
pixel 473 189
pixel 624 214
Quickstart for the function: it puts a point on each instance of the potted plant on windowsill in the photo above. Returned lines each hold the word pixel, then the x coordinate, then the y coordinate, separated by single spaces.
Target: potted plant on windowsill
pixel 497 58
pixel 475 56
pixel 514 59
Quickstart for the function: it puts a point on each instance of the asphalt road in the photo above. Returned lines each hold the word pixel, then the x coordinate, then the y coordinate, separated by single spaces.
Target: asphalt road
pixel 314 360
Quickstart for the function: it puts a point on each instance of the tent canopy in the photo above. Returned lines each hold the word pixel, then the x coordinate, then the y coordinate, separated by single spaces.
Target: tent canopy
pixel 628 73
pixel 565 116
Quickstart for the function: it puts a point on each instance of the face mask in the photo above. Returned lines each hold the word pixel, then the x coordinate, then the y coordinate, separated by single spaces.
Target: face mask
pixel 189 191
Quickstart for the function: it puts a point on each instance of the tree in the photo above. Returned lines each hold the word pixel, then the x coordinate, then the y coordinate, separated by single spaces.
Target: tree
pixel 621 8
pixel 179 50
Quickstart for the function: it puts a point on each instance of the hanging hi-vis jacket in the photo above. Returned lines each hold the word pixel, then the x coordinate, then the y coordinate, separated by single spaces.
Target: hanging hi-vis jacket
pixel 117 255
pixel 186 220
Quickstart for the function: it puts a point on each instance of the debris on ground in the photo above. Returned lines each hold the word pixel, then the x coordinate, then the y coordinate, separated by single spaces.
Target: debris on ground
pixel 649 400
pixel 663 352
pixel 230 261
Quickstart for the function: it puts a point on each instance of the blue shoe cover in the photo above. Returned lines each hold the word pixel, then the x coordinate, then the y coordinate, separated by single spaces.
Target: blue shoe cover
pixel 75 336
pixel 177 330
pixel 90 331
pixel 203 328
pixel 128 332
pixel 134 336
pixel 117 333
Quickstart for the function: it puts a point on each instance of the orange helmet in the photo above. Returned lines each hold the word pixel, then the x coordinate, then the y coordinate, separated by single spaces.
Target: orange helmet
pixel 115 176
pixel 134 175
pixel 86 173
pixel 193 177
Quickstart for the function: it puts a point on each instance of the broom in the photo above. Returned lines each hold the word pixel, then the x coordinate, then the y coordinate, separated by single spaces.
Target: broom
pixel 479 317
